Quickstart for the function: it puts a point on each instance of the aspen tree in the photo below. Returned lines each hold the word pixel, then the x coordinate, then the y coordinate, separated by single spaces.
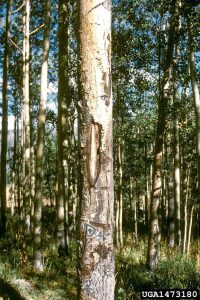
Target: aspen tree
pixel 96 221
pixel 26 118
pixel 63 105
pixel 177 178
pixel 195 90
pixel 154 231
pixel 38 263
pixel 4 132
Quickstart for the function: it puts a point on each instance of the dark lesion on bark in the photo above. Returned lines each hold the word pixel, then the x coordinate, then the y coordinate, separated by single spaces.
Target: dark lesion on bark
pixel 102 250
pixel 93 152
pixel 107 88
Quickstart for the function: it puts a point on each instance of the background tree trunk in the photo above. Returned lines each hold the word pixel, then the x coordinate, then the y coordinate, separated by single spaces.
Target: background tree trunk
pixel 38 263
pixel 26 120
pixel 190 230
pixel 62 131
pixel 171 214
pixel 4 133
pixel 154 232
pixel 195 89
pixel 177 178
pixel 120 192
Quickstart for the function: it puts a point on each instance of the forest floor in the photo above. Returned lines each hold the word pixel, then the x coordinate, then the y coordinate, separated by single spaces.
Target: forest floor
pixel 58 281
pixel 174 271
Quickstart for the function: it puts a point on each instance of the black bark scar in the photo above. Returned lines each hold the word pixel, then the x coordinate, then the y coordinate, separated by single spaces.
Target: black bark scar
pixel 93 152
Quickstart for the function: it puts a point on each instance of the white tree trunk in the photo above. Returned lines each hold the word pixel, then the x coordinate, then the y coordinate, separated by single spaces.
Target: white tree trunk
pixel 97 279
pixel 26 119
pixel 195 89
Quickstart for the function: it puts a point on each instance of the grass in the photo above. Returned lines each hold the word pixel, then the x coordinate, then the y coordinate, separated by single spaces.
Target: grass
pixel 54 283
pixel 174 271
pixel 58 281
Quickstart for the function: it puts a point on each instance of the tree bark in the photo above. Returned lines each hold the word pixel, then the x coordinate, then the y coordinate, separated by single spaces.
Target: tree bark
pixel 120 192
pixel 26 119
pixel 136 200
pixel 186 196
pixel 14 173
pixel 4 132
pixel 96 229
pixel 62 130
pixel 195 89
pixel 154 232
pixel 146 212
pixel 190 230
pixel 38 265
pixel 177 178
pixel 171 214
pixel 117 221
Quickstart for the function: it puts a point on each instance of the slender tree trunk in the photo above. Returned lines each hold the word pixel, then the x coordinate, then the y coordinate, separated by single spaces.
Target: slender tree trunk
pixel 32 163
pixel 117 222
pixel 186 208
pixel 161 208
pixel 177 178
pixel 32 182
pixel 120 192
pixel 136 215
pixel 96 231
pixel 14 175
pixel 190 230
pixel 4 133
pixel 195 89
pixel 131 207
pixel 63 105
pixel 177 185
pixel 154 232
pixel 170 193
pixel 146 213
pixel 171 214
pixel 14 162
pixel 26 119
pixel 38 264
pixel 150 176
pixel 18 165
pixel 79 124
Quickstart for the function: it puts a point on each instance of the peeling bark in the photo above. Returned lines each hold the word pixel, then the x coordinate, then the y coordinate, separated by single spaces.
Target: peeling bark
pixel 96 225
pixel 93 150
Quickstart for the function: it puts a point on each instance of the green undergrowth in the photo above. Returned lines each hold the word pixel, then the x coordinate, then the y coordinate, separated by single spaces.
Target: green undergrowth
pixel 174 271
pixel 58 281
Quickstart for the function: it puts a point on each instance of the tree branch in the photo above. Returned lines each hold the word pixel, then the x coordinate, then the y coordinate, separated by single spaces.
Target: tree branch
pixel 37 29
pixel 16 46
pixel 15 24
pixel 14 11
